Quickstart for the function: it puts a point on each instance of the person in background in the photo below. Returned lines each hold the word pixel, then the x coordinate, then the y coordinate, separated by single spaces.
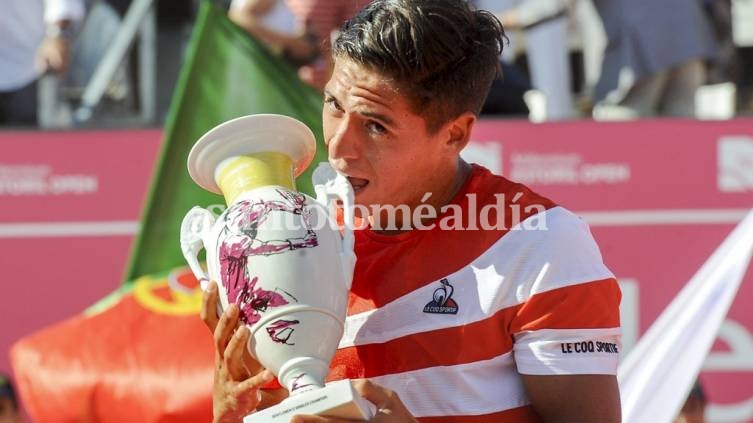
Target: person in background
pixel 272 22
pixel 544 25
pixel 655 57
pixel 9 409
pixel 301 29
pixel 35 37
pixel 694 409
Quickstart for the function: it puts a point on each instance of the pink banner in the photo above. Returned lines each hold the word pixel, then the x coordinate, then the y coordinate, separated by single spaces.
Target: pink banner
pixel 70 208
pixel 660 196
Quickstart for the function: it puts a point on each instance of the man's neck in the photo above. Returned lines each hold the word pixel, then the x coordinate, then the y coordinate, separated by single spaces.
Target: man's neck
pixel 440 199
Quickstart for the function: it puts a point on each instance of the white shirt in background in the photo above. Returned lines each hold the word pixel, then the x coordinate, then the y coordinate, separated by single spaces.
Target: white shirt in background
pixel 22 29
pixel 279 18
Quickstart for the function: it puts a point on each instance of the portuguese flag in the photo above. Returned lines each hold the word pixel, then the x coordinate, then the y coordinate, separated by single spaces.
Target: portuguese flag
pixel 142 354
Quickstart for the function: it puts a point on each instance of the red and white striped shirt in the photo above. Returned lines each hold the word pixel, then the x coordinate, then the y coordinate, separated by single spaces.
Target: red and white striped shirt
pixel 525 301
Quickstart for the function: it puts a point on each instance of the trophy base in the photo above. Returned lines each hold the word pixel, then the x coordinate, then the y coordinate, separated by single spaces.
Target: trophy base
pixel 337 399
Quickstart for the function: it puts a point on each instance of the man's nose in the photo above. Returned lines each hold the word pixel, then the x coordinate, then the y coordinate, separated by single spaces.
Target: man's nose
pixel 344 142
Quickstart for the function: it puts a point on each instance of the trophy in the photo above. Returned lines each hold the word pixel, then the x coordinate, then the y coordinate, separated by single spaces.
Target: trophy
pixel 278 254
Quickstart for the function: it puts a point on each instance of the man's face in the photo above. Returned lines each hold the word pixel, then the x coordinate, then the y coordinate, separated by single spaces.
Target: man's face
pixel 376 140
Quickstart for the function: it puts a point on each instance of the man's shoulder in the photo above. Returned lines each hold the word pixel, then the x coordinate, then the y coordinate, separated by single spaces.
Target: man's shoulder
pixel 485 181
pixel 512 198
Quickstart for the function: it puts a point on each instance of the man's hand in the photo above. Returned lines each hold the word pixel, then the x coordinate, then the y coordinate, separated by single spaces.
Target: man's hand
pixel 237 376
pixel 389 406
pixel 54 54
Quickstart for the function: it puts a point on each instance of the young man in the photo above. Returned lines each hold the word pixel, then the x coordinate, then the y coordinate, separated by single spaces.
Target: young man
pixel 466 315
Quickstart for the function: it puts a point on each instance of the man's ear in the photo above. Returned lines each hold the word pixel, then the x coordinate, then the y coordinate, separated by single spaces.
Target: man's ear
pixel 459 131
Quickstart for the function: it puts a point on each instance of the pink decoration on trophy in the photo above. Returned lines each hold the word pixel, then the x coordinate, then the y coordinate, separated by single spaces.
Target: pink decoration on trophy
pixel 290 282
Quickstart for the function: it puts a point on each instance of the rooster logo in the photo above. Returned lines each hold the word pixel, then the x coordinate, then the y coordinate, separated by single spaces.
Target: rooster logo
pixel 442 303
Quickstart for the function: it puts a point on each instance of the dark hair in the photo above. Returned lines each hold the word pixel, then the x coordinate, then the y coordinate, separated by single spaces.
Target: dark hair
pixel 443 54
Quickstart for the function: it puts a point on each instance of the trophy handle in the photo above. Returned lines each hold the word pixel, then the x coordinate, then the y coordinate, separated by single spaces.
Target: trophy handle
pixel 196 223
pixel 327 183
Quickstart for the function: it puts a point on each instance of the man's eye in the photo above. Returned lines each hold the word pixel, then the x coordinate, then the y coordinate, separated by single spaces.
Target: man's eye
pixel 376 128
pixel 333 104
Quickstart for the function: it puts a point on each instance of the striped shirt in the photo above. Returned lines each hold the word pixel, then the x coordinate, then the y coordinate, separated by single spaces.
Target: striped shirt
pixel 449 319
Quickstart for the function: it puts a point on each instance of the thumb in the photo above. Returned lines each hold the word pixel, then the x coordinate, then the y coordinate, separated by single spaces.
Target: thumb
pixel 378 395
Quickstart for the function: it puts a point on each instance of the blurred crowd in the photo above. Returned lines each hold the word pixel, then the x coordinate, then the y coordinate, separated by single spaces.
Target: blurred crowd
pixel 600 59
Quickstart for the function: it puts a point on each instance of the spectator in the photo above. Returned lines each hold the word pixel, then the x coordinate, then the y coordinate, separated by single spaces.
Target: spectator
pixel 9 410
pixel 34 38
pixel 694 409
pixel 310 22
pixel 545 26
pixel 506 95
pixel 654 59
pixel 272 22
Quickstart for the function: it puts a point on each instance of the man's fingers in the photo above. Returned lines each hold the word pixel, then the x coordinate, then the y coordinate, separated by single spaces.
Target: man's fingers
pixel 209 306
pixel 225 328
pixel 233 357
pixel 376 394
pixel 250 362
pixel 256 381
pixel 389 406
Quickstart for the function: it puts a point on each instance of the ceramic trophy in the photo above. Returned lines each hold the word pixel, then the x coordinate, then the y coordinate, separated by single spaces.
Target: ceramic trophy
pixel 278 254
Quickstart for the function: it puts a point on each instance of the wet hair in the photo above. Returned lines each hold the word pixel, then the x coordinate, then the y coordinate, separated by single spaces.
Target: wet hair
pixel 442 54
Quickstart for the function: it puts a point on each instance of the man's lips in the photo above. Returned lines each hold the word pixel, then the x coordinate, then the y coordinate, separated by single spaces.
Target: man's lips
pixel 358 184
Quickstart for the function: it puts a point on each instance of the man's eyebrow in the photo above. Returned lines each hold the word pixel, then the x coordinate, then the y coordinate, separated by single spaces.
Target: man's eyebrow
pixel 373 115
pixel 378 116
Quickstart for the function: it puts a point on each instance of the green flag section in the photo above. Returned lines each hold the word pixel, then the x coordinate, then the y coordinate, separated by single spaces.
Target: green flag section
pixel 227 74
pixel 142 354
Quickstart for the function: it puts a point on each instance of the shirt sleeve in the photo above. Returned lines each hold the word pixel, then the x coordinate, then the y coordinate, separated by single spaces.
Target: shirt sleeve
pixel 531 12
pixel 59 10
pixel 568 321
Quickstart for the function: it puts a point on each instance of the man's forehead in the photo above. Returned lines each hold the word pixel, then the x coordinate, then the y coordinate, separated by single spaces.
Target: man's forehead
pixel 349 75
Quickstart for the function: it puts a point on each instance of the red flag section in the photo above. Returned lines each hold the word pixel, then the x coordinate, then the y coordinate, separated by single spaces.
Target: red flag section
pixel 140 355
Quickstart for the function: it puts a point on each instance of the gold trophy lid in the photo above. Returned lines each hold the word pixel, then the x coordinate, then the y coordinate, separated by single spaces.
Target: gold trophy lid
pixel 248 135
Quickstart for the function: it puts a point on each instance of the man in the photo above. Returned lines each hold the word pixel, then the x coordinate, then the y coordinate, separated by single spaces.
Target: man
pixel 654 59
pixel 271 22
pixel 454 317
pixel 544 27
pixel 300 30
pixel 35 38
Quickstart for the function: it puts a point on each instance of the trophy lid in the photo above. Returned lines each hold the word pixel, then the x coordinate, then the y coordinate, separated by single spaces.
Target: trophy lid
pixel 248 135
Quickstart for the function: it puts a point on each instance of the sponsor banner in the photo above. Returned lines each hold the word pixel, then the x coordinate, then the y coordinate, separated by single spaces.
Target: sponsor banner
pixel 70 205
pixel 625 166
pixel 75 176
pixel 660 197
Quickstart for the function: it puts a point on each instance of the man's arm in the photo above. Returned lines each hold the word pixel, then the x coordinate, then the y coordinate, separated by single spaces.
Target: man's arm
pixel 298 47
pixel 567 331
pixel 574 398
